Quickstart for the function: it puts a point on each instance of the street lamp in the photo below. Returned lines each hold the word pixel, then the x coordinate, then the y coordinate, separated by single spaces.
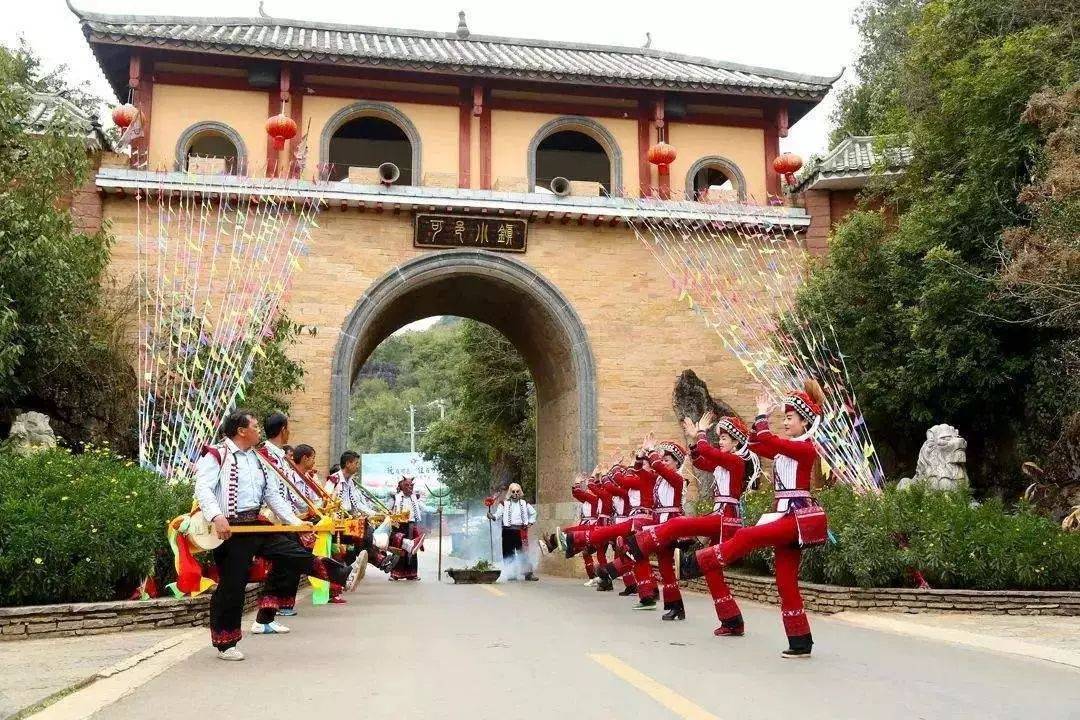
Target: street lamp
pixel 440 403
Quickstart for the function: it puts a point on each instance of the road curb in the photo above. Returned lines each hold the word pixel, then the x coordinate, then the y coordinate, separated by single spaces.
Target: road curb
pixel 1009 646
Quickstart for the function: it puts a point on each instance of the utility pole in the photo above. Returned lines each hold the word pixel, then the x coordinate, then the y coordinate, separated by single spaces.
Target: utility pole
pixel 412 428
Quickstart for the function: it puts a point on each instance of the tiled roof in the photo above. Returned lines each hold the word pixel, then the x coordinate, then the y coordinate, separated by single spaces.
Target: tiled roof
pixel 852 162
pixel 46 110
pixel 451 52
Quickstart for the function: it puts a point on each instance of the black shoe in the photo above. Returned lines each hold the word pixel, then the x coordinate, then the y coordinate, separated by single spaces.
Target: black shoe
pixel 604 585
pixel 632 547
pixel 688 566
pixel 531 578
pixel 799 647
pixel 675 611
pixel 628 591
pixel 648 603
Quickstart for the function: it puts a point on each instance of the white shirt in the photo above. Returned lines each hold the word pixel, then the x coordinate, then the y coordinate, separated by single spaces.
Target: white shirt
pixel 410 504
pixel 277 456
pixel 352 500
pixel 514 513
pixel 253 487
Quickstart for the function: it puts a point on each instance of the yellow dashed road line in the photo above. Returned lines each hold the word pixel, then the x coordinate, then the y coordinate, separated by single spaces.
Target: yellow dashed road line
pixel 662 694
pixel 494 590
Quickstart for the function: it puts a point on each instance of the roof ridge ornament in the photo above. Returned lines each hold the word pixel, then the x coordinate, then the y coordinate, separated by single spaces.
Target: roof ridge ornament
pixel 648 41
pixel 262 12
pixel 462 26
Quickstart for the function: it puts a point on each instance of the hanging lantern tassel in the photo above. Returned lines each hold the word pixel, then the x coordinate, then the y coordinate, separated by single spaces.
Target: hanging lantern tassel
pixel 281 128
pixel 787 165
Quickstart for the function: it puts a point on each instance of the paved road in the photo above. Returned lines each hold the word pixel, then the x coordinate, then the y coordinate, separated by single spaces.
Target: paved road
pixel 554 649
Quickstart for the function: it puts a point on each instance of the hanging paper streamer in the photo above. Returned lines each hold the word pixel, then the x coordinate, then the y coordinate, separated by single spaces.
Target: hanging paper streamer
pixel 737 268
pixel 215 258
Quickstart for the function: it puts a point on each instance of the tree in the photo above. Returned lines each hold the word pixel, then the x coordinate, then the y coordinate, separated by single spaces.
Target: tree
pixel 488 439
pixel 64 349
pixel 916 307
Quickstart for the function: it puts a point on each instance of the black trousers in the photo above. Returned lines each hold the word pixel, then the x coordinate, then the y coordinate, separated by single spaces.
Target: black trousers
pixel 282 583
pixel 233 559
pixel 512 541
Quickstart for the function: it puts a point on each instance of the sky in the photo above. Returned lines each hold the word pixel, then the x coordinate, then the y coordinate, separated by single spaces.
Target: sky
pixel 817 38
pixel 808 37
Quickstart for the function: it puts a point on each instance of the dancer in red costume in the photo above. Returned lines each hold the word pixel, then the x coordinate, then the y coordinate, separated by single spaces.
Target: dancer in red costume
pixel 796 521
pixel 659 485
pixel 604 514
pixel 731 463
pixel 587 515
pixel 621 505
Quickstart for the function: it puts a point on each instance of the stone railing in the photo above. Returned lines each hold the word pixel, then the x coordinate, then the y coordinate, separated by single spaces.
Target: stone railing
pixel 72 619
pixel 833 599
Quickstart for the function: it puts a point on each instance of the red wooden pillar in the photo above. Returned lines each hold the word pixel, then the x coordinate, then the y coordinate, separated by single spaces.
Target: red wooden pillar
pixel 775 128
pixel 296 112
pixel 141 84
pixel 643 133
pixel 482 107
pixel 465 116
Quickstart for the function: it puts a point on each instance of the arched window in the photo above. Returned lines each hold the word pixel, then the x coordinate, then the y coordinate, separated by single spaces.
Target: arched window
pixel 367 135
pixel 575 148
pixel 208 147
pixel 715 178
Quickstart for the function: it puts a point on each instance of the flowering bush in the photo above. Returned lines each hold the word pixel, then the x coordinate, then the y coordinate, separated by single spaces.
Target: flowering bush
pixel 881 539
pixel 80 527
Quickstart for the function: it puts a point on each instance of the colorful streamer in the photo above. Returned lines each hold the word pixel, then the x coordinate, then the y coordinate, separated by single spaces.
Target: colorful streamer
pixel 738 270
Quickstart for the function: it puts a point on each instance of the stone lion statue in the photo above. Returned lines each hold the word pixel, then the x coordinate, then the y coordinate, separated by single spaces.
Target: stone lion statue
pixel 30 433
pixel 942 461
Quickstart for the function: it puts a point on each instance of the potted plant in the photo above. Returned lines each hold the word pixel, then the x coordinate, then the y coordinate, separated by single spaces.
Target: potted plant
pixel 481 572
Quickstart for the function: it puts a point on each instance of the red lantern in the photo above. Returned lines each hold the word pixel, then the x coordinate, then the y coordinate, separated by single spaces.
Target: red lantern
pixel 124 115
pixel 281 128
pixel 787 165
pixel 662 154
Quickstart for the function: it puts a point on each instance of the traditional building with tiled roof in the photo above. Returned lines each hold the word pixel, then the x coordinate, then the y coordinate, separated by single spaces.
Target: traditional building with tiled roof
pixel 411 135
pixel 831 186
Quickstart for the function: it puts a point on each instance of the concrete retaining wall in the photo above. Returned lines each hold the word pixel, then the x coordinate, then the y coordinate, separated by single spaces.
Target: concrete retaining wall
pixel 68 620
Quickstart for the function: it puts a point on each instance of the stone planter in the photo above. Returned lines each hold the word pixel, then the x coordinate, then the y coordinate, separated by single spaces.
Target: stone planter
pixel 74 619
pixel 474 577
pixel 833 598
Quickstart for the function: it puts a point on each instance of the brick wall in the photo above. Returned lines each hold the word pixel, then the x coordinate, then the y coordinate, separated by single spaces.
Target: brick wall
pixel 76 619
pixel 833 599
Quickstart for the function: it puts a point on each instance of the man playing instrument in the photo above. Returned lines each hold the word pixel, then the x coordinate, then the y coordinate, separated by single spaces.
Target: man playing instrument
pixel 231 485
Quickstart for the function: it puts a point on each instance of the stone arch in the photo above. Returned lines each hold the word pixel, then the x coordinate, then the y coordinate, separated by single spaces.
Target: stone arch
pixel 730 169
pixel 373 109
pixel 585 125
pixel 519 302
pixel 188 136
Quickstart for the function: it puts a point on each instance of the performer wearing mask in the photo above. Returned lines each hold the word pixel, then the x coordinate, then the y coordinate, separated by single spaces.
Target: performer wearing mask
pixel 731 463
pixel 516 517
pixel 796 520
pixel 408 535
pixel 231 484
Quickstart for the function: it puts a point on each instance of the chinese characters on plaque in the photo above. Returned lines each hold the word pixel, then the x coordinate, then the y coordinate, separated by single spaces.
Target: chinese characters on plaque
pixel 453 231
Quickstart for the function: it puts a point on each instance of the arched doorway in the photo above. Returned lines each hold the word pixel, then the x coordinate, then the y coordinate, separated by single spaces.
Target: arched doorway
pixel 517 301
pixel 367 134
pixel 577 148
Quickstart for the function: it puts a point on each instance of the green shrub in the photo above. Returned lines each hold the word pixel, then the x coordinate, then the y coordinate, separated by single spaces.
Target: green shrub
pixel 80 528
pixel 880 539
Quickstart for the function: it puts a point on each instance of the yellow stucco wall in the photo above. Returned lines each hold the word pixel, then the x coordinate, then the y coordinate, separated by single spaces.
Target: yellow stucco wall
pixel 436 124
pixel 743 146
pixel 178 107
